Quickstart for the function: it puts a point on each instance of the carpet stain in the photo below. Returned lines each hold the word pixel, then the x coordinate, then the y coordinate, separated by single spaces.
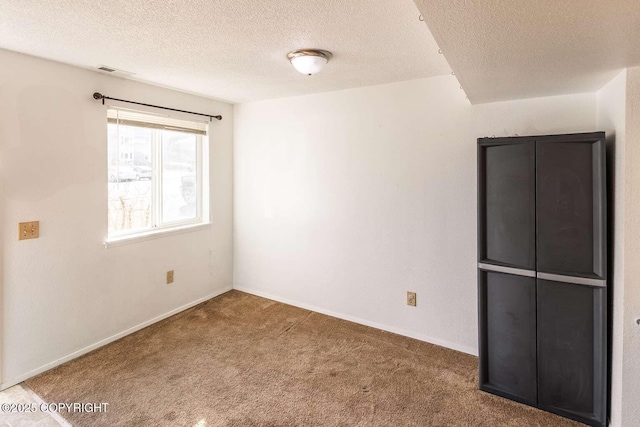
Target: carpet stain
pixel 242 360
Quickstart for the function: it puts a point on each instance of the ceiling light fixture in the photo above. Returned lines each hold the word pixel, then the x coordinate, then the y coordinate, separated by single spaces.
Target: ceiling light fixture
pixel 309 61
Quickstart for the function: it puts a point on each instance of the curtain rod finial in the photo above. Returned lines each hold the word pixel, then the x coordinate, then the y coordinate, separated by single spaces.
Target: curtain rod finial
pixel 97 95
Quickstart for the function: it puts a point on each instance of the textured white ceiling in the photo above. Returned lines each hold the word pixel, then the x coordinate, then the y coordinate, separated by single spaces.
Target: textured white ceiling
pixel 506 49
pixel 229 49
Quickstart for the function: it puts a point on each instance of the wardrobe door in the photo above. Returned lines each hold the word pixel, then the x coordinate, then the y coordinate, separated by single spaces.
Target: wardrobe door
pixel 506 202
pixel 571 272
pixel 508 335
pixel 571 206
pixel 572 350
pixel 506 259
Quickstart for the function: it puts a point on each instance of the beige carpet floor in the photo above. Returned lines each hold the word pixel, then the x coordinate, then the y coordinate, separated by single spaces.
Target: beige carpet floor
pixel 241 360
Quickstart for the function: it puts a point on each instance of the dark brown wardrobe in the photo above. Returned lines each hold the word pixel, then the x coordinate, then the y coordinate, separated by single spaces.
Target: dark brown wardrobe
pixel 542 269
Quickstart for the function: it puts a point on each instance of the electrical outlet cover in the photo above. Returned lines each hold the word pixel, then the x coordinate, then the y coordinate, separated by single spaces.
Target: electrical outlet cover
pixel 28 230
pixel 411 298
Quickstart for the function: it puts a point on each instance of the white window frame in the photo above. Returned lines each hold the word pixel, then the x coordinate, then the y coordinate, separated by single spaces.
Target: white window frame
pixel 158 227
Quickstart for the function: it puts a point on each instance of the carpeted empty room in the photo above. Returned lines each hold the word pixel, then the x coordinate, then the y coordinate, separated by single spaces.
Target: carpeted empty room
pixel 374 213
pixel 242 360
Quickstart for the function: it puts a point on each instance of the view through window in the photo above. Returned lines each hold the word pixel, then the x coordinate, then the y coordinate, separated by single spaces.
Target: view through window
pixel 155 169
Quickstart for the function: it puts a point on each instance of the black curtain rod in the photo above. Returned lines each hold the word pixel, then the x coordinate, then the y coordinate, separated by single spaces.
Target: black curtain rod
pixel 98 95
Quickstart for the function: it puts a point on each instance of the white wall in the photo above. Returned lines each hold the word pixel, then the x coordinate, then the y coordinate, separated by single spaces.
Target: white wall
pixel 611 119
pixel 65 291
pixel 631 370
pixel 346 200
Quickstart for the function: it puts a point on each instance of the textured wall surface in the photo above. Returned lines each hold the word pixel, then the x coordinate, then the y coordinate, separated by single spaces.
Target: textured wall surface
pixel 346 200
pixel 611 119
pixel 229 49
pixel 631 374
pixel 65 291
pixel 503 50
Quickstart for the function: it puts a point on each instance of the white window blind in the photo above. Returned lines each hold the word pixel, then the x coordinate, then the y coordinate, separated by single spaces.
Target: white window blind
pixel 132 118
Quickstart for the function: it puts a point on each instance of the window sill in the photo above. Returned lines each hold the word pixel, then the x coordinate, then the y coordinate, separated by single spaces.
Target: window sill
pixel 155 234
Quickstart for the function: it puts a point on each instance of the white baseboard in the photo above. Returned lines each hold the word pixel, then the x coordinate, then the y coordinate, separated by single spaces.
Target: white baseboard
pixel 410 334
pixel 16 380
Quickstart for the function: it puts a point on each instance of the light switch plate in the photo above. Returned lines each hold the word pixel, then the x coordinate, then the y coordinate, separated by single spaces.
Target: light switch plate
pixel 169 276
pixel 28 230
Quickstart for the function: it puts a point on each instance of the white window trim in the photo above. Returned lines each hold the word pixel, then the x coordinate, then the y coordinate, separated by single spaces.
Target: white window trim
pixel 201 222
pixel 153 234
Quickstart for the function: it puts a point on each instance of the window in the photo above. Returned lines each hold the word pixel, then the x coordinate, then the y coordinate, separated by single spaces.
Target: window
pixel 156 166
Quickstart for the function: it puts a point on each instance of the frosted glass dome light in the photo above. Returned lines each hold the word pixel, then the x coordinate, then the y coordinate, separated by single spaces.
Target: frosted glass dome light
pixel 309 61
pixel 308 64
